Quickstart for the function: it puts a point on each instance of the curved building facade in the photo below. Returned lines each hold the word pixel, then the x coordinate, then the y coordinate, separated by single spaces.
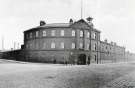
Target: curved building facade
pixel 73 42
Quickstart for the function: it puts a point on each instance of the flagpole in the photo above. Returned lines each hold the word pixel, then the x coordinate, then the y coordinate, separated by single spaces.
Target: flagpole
pixel 81 9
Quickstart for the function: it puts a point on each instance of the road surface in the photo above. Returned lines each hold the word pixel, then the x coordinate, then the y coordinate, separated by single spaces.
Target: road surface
pixel 35 75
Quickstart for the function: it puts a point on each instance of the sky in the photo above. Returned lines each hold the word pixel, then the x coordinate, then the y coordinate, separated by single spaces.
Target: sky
pixel 114 18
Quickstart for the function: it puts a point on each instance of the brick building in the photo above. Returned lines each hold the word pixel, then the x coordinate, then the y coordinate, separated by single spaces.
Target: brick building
pixel 73 42
pixel 111 52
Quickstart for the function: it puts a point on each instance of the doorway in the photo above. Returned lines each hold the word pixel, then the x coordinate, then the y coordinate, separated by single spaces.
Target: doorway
pixel 82 59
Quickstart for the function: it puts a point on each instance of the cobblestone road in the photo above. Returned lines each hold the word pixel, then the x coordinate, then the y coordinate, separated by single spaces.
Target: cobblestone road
pixel 127 81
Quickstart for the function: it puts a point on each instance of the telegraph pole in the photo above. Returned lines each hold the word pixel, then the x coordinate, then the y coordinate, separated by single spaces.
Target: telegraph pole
pixel 81 9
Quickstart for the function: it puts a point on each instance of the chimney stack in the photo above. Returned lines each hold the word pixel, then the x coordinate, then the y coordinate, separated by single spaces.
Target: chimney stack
pixel 71 21
pixel 42 23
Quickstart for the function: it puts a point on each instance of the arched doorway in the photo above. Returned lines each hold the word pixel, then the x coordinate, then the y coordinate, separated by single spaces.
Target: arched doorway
pixel 82 59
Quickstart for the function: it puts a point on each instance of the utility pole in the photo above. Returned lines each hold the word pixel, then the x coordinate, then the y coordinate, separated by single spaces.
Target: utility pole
pixel 81 9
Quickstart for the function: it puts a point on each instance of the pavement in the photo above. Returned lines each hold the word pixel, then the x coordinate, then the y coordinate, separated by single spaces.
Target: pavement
pixel 36 75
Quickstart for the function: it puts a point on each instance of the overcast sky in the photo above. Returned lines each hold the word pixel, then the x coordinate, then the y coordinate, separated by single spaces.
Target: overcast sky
pixel 114 18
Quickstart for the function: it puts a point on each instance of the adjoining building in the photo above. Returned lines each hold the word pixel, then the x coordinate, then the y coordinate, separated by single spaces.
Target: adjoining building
pixel 111 52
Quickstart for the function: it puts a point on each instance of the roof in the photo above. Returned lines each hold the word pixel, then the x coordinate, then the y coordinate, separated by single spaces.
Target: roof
pixel 54 25
pixel 57 25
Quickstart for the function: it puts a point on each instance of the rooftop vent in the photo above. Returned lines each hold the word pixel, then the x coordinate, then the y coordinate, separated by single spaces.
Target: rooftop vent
pixel 71 21
pixel 42 23
pixel 89 19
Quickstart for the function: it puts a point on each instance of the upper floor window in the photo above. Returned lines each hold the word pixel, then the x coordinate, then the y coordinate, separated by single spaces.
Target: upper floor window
pixel 27 36
pixel 62 44
pixel 31 35
pixel 88 34
pixel 52 45
pixel 53 32
pixel 94 35
pixel 44 33
pixel 37 33
pixel 73 45
pixel 73 32
pixel 81 33
pixel 81 45
pixel 62 33
pixel 87 47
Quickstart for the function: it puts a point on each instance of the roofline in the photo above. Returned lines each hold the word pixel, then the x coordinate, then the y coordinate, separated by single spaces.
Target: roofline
pixel 44 27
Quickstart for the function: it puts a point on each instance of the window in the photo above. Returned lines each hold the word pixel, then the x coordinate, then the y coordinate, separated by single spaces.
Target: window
pixel 95 57
pixel 31 46
pixel 73 32
pixel 31 35
pixel 44 45
pixel 44 33
pixel 88 34
pixel 95 47
pixel 81 33
pixel 62 33
pixel 27 36
pixel 37 33
pixel 27 46
pixel 106 47
pixel 62 44
pixel 52 45
pixel 94 35
pixel 53 33
pixel 87 47
pixel 73 45
pixel 81 45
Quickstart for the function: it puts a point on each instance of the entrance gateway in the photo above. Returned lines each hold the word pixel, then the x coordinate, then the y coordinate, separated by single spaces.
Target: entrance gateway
pixel 81 59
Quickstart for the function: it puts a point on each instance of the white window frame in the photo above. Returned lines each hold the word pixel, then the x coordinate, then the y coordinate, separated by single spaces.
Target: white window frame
pixel 62 32
pixel 30 34
pixel 94 35
pixel 88 34
pixel 62 45
pixel 73 46
pixel 44 33
pixel 53 32
pixel 52 45
pixel 73 32
pixel 37 33
pixel 81 45
pixel 81 33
